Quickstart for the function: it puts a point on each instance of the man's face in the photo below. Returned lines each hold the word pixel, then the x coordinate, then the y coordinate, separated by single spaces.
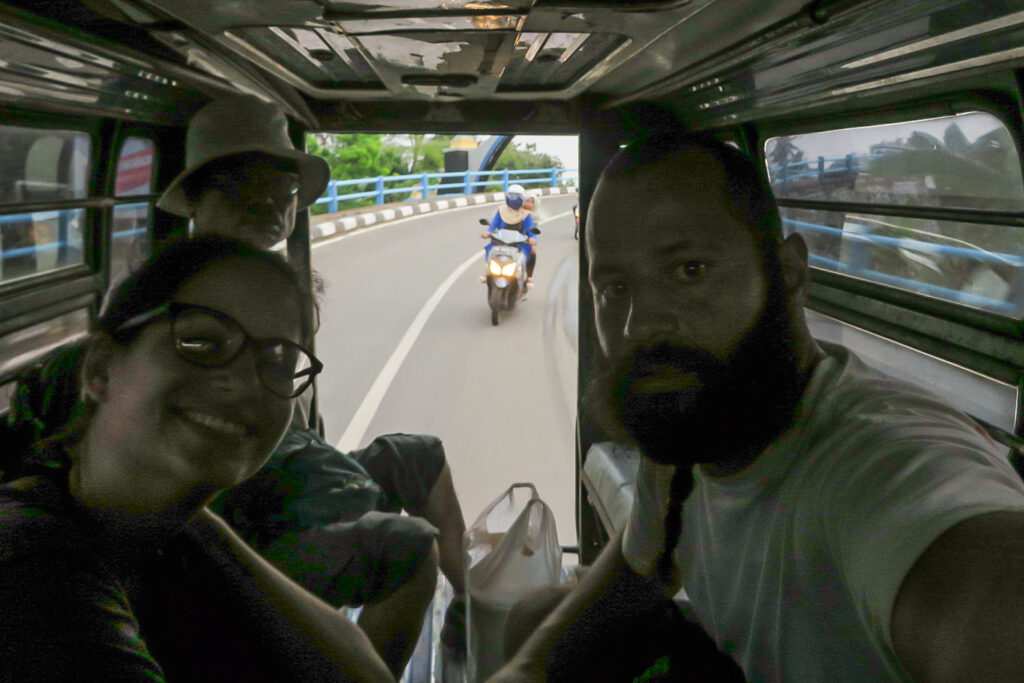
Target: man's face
pixel 254 201
pixel 694 330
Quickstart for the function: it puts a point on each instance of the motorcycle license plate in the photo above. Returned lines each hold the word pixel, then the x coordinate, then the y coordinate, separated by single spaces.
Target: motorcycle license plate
pixel 502 249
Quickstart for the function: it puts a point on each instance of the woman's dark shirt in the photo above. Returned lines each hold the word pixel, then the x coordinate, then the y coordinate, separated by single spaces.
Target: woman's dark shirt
pixel 68 617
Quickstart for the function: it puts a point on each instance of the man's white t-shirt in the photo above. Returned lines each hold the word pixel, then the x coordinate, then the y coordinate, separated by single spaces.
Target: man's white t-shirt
pixel 793 564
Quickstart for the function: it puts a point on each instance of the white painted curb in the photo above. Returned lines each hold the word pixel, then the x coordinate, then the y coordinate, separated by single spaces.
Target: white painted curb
pixel 330 228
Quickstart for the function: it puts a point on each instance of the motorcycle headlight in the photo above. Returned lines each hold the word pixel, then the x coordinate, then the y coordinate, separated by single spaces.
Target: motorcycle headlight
pixel 509 269
pixel 494 267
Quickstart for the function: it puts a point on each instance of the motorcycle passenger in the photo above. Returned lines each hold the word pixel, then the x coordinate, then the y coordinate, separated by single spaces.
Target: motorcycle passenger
pixel 515 216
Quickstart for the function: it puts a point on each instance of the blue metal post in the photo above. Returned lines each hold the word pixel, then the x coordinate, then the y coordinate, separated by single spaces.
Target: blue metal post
pixel 425 181
pixel 468 188
pixel 379 199
pixel 332 196
pixel 821 170
pixel 554 177
pixel 504 180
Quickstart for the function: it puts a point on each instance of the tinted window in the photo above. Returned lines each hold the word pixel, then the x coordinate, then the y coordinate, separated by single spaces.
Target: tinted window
pixel 966 161
pixel 40 241
pixel 981 266
pixel 134 168
pixel 130 242
pixel 20 348
pixel 956 164
pixel 42 165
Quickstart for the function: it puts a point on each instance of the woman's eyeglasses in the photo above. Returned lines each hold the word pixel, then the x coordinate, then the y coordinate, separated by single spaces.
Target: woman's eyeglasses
pixel 206 337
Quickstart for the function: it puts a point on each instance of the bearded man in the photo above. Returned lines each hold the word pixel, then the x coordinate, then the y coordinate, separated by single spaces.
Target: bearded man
pixel 827 522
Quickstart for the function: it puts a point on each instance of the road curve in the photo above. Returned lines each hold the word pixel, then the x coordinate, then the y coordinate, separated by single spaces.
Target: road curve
pixel 400 317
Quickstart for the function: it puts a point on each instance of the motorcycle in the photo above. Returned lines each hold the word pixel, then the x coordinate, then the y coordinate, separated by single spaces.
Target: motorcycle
pixel 506 270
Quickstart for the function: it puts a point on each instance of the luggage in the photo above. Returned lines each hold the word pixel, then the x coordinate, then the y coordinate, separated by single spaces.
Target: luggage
pixel 510 549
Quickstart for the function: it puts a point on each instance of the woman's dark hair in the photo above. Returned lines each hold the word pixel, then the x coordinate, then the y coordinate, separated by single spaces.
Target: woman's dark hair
pixel 176 263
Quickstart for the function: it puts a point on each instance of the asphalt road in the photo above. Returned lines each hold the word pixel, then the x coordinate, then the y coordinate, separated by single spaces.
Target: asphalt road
pixel 408 346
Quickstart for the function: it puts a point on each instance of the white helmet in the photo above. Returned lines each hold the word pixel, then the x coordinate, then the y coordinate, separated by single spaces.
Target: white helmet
pixel 515 196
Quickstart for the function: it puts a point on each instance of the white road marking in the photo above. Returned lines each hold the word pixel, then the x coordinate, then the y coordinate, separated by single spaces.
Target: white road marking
pixel 324 243
pixel 356 429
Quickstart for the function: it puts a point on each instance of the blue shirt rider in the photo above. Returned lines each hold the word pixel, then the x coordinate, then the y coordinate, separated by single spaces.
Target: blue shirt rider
pixel 513 216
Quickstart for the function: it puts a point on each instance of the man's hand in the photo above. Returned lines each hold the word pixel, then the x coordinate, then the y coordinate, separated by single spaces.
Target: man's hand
pixel 582 636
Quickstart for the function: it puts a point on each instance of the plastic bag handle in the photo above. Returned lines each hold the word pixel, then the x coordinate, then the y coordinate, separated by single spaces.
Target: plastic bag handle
pixel 545 523
pixel 482 517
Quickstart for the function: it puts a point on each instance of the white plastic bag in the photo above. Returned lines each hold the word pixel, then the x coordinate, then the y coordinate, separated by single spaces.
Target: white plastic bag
pixel 510 549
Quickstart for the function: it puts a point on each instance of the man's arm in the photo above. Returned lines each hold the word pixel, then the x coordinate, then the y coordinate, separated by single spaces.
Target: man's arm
pixel 609 596
pixel 959 612
pixel 307 634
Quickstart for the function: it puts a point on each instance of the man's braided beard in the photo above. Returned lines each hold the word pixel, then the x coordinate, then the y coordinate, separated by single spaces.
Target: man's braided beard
pixel 740 406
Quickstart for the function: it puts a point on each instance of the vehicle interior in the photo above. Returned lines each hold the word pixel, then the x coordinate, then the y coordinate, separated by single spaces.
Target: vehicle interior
pixel 890 130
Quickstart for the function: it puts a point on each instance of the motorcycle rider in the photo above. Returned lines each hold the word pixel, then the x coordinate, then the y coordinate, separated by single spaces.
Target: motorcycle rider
pixel 514 216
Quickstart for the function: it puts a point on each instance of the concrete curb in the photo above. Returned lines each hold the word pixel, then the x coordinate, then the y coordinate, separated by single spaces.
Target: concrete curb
pixel 344 224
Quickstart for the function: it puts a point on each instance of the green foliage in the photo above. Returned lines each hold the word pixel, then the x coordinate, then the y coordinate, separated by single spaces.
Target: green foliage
pixel 519 156
pixel 352 156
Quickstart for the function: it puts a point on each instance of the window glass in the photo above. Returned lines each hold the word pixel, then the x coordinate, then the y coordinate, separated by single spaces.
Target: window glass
pixel 40 241
pixel 967 161
pixel 134 168
pixel 20 348
pixel 5 396
pixel 976 265
pixel 977 395
pixel 130 238
pixel 42 165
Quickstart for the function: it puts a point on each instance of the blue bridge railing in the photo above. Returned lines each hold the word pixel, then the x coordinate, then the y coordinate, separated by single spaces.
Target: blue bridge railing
pixel 421 185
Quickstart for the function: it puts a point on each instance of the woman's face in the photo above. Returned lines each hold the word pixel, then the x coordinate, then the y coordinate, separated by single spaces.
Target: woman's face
pixel 203 426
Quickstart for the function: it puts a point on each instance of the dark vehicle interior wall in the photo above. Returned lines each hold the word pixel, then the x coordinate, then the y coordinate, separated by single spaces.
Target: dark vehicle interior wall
pixel 112 69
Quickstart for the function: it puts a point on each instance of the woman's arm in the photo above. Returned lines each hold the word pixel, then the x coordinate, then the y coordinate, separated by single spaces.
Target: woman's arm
pixel 309 635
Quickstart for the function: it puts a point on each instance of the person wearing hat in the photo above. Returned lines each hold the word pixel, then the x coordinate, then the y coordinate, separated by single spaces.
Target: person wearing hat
pixel 243 178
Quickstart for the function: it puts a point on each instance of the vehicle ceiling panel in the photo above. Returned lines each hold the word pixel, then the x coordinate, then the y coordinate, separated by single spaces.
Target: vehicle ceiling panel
pixel 486 66
pixel 445 51
pixel 36 70
pixel 852 54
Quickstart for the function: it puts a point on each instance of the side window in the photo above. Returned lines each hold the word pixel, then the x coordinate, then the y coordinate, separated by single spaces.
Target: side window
pixel 39 166
pixel 911 205
pixel 34 341
pixel 130 237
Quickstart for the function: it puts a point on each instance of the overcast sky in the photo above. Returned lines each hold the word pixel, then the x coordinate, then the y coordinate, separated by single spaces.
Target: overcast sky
pixel 565 147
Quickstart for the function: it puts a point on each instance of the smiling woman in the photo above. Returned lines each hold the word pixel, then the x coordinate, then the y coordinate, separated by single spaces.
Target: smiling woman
pixel 109 560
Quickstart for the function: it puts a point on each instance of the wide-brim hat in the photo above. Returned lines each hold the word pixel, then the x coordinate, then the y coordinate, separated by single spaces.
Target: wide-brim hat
pixel 235 125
